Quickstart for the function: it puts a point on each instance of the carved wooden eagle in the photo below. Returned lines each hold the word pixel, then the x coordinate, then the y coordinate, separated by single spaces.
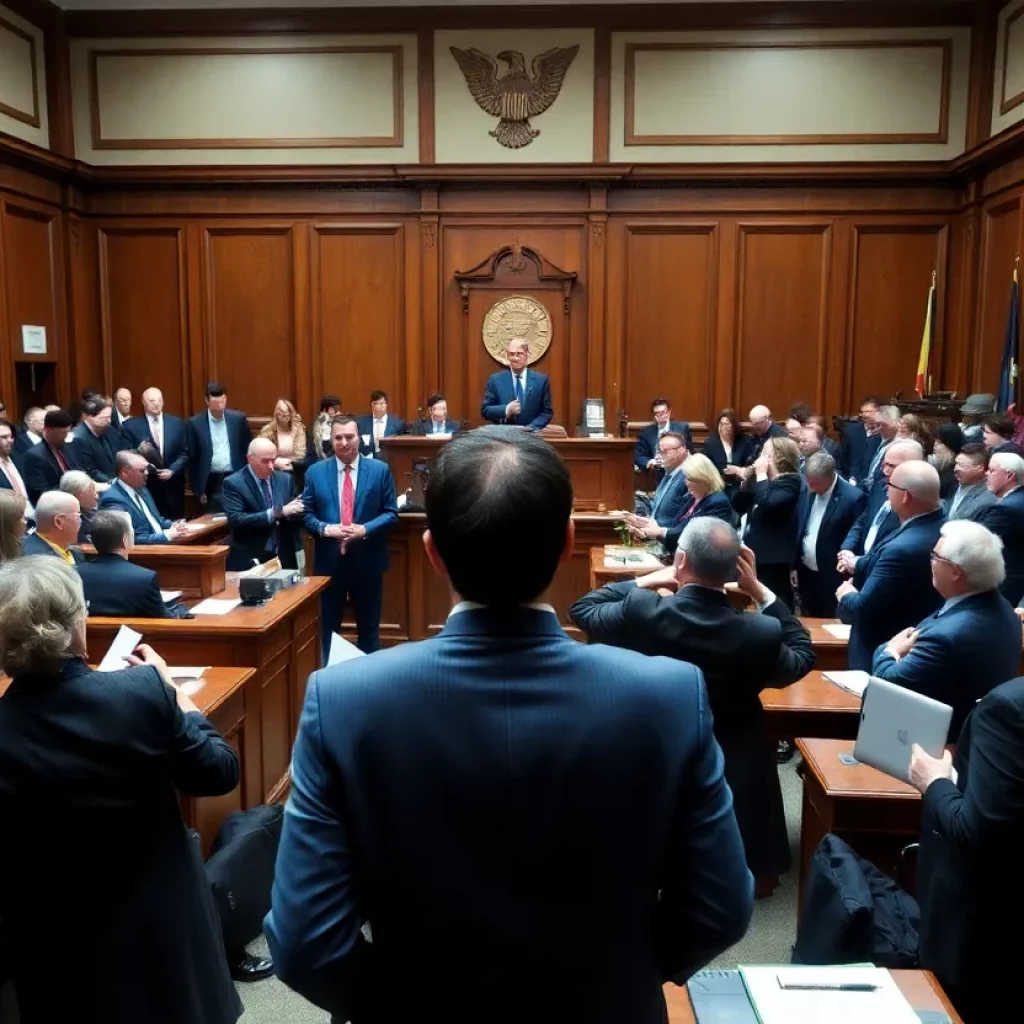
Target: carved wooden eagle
pixel 515 97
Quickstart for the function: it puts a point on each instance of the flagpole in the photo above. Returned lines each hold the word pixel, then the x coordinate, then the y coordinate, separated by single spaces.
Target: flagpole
pixel 934 276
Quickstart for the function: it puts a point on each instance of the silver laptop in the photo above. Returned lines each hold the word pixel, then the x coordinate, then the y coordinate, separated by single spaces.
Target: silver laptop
pixel 892 719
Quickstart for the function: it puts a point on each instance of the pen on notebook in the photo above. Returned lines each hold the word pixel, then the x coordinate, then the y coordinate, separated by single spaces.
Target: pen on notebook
pixel 838 987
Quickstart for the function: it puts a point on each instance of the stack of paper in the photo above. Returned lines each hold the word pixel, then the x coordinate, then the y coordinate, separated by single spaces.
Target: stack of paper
pixel 826 995
pixel 216 606
pixel 167 596
pixel 852 681
pixel 839 630
pixel 342 650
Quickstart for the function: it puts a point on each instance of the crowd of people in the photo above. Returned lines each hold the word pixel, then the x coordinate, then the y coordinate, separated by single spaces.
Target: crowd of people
pixel 499 808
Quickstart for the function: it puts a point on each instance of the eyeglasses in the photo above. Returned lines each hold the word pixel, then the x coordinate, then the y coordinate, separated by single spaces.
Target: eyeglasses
pixel 896 487
pixel 936 557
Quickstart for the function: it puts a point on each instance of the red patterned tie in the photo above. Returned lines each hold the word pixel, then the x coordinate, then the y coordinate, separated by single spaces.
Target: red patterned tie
pixel 348 498
pixel 61 461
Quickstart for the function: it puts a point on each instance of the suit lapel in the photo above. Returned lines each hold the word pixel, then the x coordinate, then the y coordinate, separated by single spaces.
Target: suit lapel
pixel 362 482
pixel 332 489
pixel 830 508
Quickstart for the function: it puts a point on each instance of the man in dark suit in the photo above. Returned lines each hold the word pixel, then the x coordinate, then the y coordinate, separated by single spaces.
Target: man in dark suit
pixel 1005 518
pixel 518 396
pixel 57 521
pixel 645 455
pixel 93 447
pixel 349 506
pixel 160 437
pixel 891 587
pixel 972 497
pixel 762 430
pixel 437 421
pixel 114 586
pixel 11 468
pixel 739 655
pixel 46 462
pixel 380 423
pixel 218 440
pixel 575 844
pixel 854 454
pixel 122 408
pixel 972 831
pixel 33 432
pixel 972 643
pixel 828 509
pixel 998 434
pixel 128 493
pixel 260 501
pixel 671 495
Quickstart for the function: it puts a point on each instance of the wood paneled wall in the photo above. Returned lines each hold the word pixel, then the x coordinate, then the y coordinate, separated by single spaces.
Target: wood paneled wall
pixel 712 298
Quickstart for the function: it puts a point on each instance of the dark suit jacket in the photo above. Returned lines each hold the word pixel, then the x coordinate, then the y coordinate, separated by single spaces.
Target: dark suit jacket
pixel 423 428
pixel 972 832
pixel 251 531
pixel 895 588
pixel 575 844
pixel 42 470
pixel 94 762
pixel 395 425
pixel 959 655
pixel 116 498
pixel 19 465
pixel 95 455
pixel 858 532
pixel 536 412
pixel 375 509
pixel 717 505
pixel 200 447
pixel 647 441
pixel 22 442
pixel 874 442
pixel 740 455
pixel 1006 448
pixel 757 443
pixel 842 511
pixel 1006 518
pixel 137 430
pixel 33 544
pixel 773 517
pixel 853 449
pixel 115 587
pixel 671 500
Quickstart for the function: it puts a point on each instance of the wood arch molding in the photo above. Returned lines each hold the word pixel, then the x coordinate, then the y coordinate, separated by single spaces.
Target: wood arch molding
pixel 514 268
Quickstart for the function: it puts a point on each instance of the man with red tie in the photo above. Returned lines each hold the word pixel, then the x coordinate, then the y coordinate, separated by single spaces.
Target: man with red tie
pixel 46 462
pixel 349 506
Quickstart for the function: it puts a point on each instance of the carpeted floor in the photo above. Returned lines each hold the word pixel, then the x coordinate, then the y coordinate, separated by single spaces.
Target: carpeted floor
pixel 769 940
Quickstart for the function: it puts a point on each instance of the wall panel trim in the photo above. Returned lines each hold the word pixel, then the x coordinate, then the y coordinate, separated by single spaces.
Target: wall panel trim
pixel 1008 103
pixel 29 117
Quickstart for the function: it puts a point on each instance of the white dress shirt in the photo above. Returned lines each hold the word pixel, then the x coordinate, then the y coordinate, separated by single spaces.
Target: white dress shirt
pixel 819 506
pixel 156 428
pixel 154 523
pixel 220 459
pixel 876 524
pixel 472 606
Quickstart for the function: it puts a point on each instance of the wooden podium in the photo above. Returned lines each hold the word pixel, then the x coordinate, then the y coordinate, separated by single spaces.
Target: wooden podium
pixel 601 467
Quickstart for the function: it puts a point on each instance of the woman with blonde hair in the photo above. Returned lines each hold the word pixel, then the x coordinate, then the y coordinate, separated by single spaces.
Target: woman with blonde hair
pixel 12 524
pixel 288 432
pixel 708 497
pixel 771 501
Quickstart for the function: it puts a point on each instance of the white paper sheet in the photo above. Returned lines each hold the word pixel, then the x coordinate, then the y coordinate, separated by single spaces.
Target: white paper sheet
pixel 342 650
pixel 777 1005
pixel 840 630
pixel 191 686
pixel 123 644
pixel 851 680
pixel 642 560
pixel 216 606
pixel 167 596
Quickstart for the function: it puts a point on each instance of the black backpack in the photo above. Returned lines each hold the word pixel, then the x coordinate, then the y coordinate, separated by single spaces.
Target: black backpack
pixel 241 872
pixel 852 913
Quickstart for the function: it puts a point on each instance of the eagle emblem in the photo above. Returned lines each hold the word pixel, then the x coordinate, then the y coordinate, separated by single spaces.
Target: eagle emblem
pixel 516 96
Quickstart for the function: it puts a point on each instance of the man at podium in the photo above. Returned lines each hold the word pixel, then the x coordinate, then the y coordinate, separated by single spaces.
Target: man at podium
pixel 518 396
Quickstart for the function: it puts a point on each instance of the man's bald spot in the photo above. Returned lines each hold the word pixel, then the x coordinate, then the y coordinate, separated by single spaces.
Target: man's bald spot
pixel 52 504
pixel 151 394
pixel 760 412
pixel 262 446
pixel 904 451
pixel 920 480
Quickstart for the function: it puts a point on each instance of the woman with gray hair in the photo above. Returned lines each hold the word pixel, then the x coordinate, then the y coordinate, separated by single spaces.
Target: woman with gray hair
pixel 94 843
pixel 78 483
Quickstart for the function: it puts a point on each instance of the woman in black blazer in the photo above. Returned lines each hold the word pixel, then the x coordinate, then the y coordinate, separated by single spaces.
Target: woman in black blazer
pixel 91 764
pixel 707 498
pixel 727 445
pixel 771 500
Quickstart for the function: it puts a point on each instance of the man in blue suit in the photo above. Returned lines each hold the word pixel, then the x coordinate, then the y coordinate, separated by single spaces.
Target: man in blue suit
pixel 518 396
pixel 260 501
pixel 828 508
pixel 128 494
pixel 1006 518
pixel 218 440
pixel 972 643
pixel 160 437
pixel 504 809
pixel 855 450
pixel 646 451
pixel 380 423
pixel 892 586
pixel 349 505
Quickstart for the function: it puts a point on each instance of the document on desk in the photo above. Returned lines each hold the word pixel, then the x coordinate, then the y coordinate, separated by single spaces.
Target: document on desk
pixel 167 596
pixel 342 650
pixel 852 681
pixel 840 630
pixel 838 995
pixel 216 606
pixel 123 644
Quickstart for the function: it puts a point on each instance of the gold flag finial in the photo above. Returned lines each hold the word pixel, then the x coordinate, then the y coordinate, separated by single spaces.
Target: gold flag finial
pixel 934 275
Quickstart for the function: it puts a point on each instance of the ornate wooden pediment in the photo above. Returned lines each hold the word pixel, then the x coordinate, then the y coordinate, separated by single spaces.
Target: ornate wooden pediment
pixel 515 268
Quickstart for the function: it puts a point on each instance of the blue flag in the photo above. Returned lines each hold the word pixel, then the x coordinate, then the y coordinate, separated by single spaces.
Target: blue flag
pixel 1009 375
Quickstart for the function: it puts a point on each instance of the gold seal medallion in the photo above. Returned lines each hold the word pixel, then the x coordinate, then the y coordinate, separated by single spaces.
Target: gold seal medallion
pixel 516 316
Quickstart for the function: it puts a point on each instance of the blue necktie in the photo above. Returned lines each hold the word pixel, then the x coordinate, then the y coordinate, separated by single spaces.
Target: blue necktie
pixel 519 389
pixel 268 497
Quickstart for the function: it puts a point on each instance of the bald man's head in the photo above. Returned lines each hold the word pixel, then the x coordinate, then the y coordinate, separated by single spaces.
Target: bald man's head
pixel 58 517
pixel 261 456
pixel 153 401
pixel 914 489
pixel 760 419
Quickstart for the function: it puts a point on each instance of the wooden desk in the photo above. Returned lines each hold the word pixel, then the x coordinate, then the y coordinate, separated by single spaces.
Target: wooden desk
pixel 830 652
pixel 417 600
pixel 207 529
pixel 197 570
pixel 280 640
pixel 875 813
pixel 921 989
pixel 601 468
pixel 812 706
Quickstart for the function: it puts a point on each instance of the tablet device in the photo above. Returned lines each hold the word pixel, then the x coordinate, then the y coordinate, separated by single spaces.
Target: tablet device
pixel 892 720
